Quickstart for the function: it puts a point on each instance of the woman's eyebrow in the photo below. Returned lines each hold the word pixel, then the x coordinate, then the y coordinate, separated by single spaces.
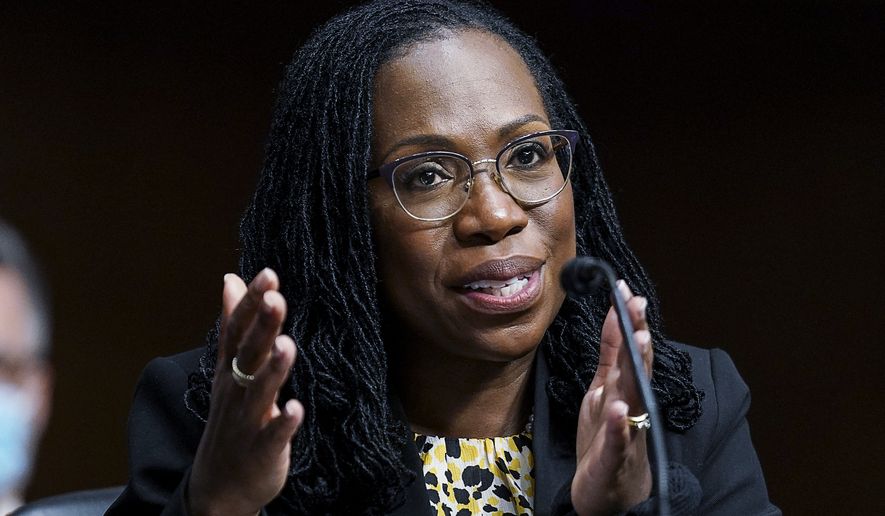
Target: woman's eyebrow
pixel 513 126
pixel 434 140
pixel 442 142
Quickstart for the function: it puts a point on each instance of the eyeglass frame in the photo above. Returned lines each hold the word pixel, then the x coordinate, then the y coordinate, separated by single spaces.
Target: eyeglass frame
pixel 386 170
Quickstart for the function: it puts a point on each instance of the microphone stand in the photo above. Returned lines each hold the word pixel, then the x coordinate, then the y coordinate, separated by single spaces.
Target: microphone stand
pixel 581 277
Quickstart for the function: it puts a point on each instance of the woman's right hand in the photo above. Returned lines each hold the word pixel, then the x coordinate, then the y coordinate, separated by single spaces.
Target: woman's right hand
pixel 243 458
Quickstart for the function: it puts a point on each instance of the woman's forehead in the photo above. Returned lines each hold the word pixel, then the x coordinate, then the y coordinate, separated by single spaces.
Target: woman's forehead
pixel 466 82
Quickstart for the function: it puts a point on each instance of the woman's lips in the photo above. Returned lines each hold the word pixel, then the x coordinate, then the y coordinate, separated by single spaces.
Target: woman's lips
pixel 503 296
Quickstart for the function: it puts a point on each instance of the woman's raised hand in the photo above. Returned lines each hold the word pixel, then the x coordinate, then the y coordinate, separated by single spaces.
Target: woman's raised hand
pixel 243 457
pixel 613 472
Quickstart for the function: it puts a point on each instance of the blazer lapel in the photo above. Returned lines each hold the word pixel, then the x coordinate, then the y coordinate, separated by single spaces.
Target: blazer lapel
pixel 552 446
pixel 415 499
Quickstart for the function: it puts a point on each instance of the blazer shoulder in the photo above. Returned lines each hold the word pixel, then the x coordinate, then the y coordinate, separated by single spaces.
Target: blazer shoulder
pixel 725 403
pixel 714 372
pixel 186 362
pixel 718 449
pixel 160 391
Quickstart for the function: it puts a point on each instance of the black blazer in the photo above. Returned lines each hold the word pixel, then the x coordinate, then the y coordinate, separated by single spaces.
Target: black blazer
pixel 717 451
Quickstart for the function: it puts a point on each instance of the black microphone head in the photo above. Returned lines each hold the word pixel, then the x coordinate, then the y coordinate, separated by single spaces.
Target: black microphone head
pixel 582 276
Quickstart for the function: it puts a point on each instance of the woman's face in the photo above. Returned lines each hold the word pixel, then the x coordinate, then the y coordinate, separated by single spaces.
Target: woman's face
pixel 468 93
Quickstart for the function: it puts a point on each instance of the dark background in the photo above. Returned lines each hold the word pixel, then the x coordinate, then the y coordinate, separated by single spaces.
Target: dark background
pixel 744 145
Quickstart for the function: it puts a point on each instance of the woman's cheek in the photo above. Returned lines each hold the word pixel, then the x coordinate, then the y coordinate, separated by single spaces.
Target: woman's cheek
pixel 556 224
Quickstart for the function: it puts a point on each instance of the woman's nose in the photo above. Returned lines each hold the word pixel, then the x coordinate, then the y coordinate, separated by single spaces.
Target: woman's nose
pixel 490 214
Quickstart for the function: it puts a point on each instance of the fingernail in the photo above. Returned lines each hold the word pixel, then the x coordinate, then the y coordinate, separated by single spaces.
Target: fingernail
pixel 290 407
pixel 268 301
pixel 622 286
pixel 643 303
pixel 642 336
pixel 227 277
pixel 259 280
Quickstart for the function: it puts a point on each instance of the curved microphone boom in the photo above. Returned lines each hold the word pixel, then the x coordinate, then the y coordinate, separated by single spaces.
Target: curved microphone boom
pixel 581 277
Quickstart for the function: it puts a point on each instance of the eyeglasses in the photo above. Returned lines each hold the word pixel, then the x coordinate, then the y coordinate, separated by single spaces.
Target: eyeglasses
pixel 435 185
pixel 15 368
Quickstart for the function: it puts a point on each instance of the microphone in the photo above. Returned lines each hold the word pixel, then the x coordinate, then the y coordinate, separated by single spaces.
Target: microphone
pixel 582 276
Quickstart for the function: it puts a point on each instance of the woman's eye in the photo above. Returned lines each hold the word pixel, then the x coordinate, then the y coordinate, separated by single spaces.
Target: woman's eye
pixel 528 155
pixel 426 175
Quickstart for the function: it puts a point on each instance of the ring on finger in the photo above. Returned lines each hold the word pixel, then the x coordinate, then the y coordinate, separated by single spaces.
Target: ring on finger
pixel 240 378
pixel 640 422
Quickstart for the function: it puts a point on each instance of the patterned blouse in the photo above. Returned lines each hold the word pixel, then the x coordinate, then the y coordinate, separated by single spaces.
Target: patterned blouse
pixel 486 476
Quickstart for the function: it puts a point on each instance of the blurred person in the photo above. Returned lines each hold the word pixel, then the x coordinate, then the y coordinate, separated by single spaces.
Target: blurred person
pixel 25 373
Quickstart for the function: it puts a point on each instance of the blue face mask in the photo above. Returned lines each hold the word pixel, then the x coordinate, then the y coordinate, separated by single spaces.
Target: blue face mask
pixel 16 423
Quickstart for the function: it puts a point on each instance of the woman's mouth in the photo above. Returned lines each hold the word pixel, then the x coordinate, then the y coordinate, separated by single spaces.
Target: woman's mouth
pixel 510 295
pixel 504 288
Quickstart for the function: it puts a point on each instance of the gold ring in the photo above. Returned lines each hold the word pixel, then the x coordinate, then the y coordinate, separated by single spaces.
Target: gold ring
pixel 240 378
pixel 640 422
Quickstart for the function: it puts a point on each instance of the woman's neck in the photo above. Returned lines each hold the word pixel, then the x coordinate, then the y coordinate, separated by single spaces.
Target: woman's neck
pixel 452 396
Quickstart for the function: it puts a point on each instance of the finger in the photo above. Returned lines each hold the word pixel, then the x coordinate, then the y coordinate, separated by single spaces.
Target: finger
pixel 614 398
pixel 629 390
pixel 232 293
pixel 274 438
pixel 612 390
pixel 589 418
pixel 641 337
pixel 621 386
pixel 256 345
pixel 646 350
pixel 609 348
pixel 612 339
pixel 241 317
pixel 610 444
pixel 617 436
pixel 626 293
pixel 636 311
pixel 234 290
pixel 260 400
pixel 636 307
pixel 621 381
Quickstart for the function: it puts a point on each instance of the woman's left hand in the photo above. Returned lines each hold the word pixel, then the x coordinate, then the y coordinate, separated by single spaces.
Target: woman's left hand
pixel 613 472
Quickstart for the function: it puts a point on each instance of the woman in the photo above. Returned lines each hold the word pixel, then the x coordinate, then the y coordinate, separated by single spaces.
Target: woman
pixel 426 179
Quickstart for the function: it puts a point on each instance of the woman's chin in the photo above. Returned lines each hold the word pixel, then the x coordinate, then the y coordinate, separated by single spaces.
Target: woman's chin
pixel 504 346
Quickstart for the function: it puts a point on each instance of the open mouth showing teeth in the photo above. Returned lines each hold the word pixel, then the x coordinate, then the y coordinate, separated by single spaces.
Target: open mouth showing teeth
pixel 504 288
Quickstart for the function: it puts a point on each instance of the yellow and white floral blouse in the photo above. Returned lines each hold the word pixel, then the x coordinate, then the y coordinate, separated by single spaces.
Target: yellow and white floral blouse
pixel 486 476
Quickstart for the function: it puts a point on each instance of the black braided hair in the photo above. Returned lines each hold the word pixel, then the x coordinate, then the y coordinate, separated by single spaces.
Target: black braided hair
pixel 309 221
